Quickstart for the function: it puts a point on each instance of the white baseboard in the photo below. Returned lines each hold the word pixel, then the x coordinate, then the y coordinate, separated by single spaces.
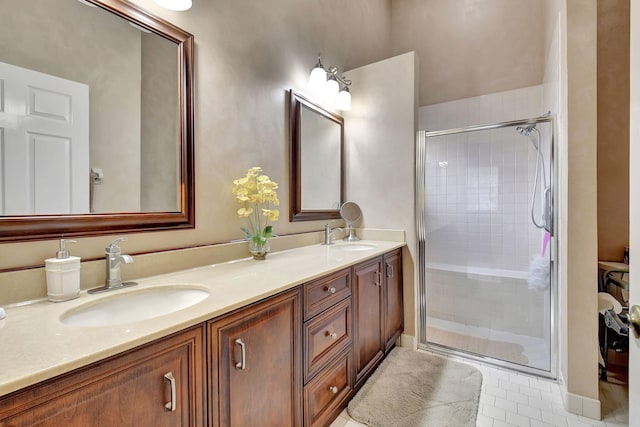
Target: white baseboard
pixel 579 405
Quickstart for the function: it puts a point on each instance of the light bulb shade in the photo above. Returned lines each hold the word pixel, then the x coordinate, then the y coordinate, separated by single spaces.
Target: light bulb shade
pixel 317 79
pixel 178 5
pixel 344 100
pixel 331 89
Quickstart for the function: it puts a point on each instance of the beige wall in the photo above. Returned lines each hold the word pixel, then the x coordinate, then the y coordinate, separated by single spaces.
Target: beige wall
pixel 613 128
pixel 468 47
pixel 380 136
pixel 579 219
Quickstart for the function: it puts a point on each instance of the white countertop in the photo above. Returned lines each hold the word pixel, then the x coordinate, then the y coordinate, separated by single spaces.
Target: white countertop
pixel 37 346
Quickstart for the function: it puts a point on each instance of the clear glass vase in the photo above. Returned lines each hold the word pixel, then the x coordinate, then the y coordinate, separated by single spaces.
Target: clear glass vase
pixel 259 250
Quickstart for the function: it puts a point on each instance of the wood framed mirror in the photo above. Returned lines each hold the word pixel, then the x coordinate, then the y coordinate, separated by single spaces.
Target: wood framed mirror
pixel 317 160
pixel 137 168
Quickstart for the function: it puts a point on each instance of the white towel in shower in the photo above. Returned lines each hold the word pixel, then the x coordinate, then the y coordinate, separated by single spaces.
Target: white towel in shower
pixel 539 273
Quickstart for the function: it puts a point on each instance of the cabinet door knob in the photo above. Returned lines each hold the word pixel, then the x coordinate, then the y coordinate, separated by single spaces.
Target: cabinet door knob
pixel 171 405
pixel 333 335
pixel 331 290
pixel 333 389
pixel 242 364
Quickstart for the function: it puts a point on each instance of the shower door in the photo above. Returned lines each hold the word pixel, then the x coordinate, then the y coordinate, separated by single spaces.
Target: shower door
pixel 485 223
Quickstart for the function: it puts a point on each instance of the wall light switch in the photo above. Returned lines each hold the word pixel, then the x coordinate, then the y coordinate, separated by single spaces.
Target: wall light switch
pixel 97 176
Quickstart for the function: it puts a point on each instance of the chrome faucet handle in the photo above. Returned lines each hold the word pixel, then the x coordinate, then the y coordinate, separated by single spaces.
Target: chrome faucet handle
pixel 114 246
pixel 328 232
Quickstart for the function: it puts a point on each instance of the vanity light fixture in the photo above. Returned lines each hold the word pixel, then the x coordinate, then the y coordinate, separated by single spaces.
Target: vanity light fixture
pixel 178 5
pixel 325 84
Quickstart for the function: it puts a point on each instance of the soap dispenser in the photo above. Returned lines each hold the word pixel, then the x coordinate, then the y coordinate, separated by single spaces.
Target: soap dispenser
pixel 63 274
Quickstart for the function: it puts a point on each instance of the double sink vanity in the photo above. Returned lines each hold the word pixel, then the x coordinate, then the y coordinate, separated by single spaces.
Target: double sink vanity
pixel 282 342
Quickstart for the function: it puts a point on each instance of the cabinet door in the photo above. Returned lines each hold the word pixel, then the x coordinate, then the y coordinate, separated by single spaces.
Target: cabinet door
pixel 394 313
pixel 256 380
pixel 368 332
pixel 133 389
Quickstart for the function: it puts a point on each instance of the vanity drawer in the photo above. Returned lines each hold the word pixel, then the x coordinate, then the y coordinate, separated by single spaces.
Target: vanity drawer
pixel 326 395
pixel 325 336
pixel 323 293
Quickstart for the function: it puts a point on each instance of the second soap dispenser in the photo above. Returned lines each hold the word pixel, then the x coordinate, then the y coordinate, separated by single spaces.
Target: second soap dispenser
pixel 63 274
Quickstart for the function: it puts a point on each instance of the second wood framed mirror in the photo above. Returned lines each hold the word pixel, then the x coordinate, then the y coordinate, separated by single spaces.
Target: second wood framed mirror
pixel 317 160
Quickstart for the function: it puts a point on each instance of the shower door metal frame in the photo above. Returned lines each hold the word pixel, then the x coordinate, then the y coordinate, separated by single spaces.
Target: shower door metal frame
pixel 420 199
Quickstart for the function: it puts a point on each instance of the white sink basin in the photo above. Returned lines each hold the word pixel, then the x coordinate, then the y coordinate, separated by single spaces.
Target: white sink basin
pixel 353 247
pixel 130 307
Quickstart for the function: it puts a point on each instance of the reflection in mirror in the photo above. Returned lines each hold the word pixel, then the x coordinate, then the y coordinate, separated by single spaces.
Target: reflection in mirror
pixel 97 120
pixel 319 161
pixel 106 100
pixel 316 160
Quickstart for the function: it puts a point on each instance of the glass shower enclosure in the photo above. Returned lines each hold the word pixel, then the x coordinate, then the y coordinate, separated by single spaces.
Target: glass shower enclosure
pixel 485 242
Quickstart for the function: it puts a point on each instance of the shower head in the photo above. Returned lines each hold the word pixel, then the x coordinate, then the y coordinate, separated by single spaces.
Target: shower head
pixel 527 130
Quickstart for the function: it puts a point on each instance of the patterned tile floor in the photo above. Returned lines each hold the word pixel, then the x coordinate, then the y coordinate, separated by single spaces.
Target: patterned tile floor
pixel 512 399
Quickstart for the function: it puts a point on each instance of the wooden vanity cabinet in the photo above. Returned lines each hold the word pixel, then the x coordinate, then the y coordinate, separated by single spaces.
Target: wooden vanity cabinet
pixel 158 384
pixel 255 363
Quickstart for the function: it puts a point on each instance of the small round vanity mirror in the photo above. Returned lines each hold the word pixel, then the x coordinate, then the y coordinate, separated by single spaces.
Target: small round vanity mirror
pixel 351 213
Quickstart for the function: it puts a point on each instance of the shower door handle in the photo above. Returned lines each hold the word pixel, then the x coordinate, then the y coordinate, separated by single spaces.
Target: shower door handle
pixel 548 210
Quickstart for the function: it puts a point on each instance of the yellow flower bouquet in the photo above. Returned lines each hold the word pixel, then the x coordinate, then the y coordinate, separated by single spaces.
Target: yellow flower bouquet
pixel 258 195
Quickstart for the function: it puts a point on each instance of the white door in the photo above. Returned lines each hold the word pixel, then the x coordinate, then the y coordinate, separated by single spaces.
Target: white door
pixel 634 214
pixel 44 143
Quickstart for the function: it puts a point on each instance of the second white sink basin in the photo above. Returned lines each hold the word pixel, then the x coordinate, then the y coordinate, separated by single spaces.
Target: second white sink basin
pixel 130 307
pixel 353 247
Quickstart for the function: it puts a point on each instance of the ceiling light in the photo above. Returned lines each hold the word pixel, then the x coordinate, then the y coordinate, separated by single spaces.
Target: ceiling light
pixel 179 5
pixel 86 3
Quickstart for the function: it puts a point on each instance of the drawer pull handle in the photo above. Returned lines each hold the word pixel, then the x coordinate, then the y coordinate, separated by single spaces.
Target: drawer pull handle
pixel 170 406
pixel 377 277
pixel 389 271
pixel 331 290
pixel 333 335
pixel 333 389
pixel 242 364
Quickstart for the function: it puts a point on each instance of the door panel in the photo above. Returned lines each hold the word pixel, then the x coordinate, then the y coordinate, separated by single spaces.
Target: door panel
pixel 634 213
pixel 256 380
pixel 394 313
pixel 369 346
pixel 44 137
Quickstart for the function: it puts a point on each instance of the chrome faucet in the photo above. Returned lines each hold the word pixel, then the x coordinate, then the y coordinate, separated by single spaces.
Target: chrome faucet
pixel 114 258
pixel 328 232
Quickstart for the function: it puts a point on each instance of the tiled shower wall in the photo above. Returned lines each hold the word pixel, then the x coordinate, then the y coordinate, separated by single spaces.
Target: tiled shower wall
pixel 479 183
